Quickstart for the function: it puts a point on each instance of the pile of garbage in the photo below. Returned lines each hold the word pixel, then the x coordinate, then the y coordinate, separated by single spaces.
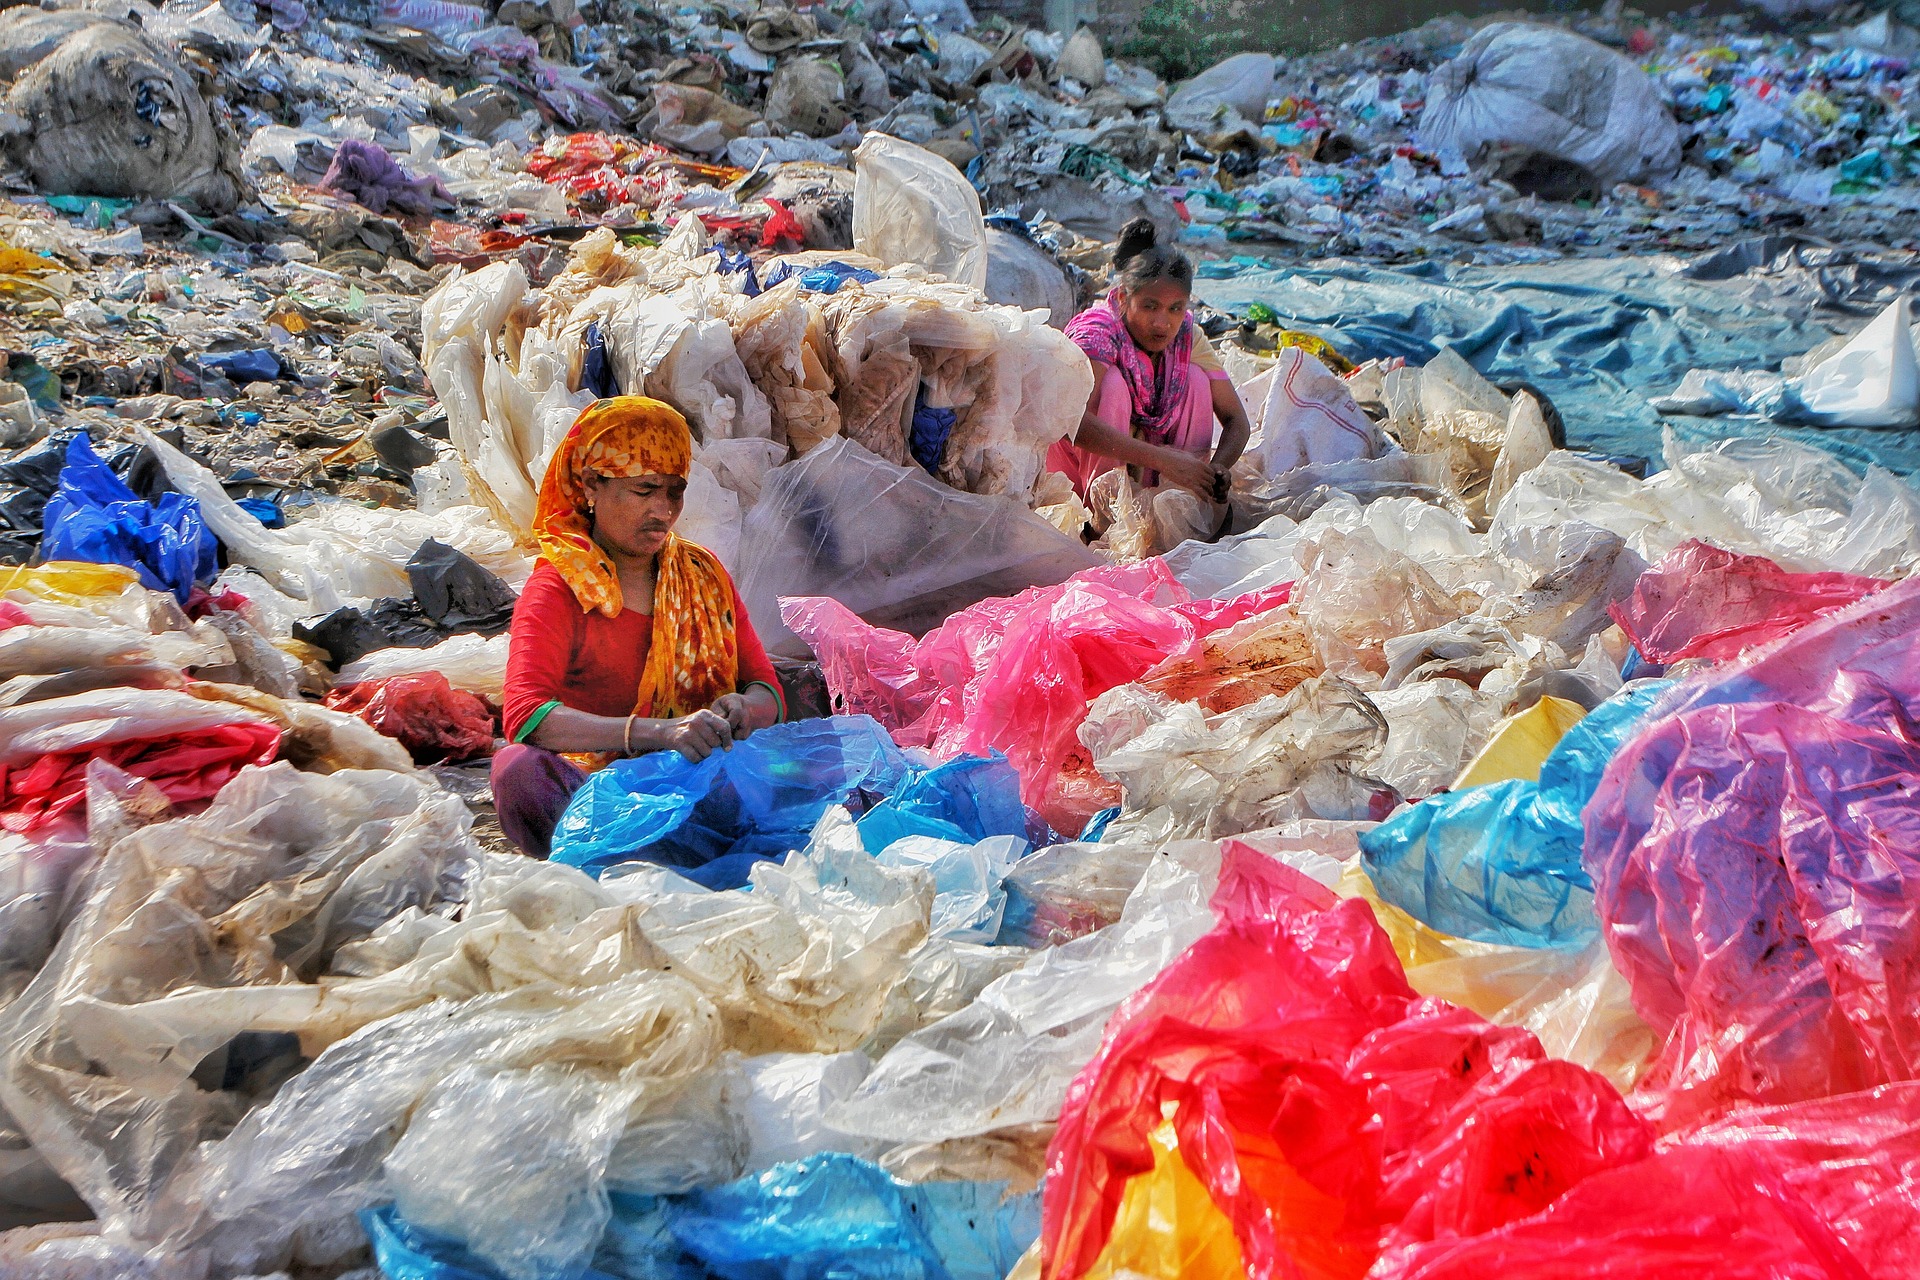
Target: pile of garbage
pixel 1481 843
pixel 1549 839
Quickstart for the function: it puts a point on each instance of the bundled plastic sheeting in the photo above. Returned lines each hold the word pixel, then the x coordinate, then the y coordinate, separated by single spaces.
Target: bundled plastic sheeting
pixel 339 554
pixel 161 1015
pixel 1269 1045
pixel 429 717
pixel 477 664
pixel 1703 602
pixel 910 205
pixel 1753 857
pixel 714 819
pixel 1190 775
pixel 1545 90
pixel 889 542
pixel 1501 862
pixel 1800 507
pixel 190 748
pixel 1016 674
pixel 1005 1059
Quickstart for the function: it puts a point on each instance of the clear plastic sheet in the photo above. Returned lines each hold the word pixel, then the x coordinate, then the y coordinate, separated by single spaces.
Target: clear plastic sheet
pixel 1190 775
pixel 1354 594
pixel 1006 1058
pixel 890 543
pixel 162 1013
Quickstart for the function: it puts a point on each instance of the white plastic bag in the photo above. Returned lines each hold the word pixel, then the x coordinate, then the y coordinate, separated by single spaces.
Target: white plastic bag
pixel 910 205
pixel 1554 92
pixel 1873 381
pixel 477 664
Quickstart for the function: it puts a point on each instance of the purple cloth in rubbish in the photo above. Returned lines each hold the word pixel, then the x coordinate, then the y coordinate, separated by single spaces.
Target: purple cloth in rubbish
pixel 366 172
pixel 531 788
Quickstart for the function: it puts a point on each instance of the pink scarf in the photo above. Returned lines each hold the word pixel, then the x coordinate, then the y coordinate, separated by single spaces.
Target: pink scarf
pixel 1158 386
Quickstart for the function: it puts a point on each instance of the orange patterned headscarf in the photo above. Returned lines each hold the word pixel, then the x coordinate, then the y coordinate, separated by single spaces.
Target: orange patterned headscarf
pixel 694 657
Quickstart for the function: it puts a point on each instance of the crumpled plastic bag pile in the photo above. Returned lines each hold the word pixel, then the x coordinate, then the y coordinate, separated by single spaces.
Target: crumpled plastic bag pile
pixel 765 377
pixel 1402 888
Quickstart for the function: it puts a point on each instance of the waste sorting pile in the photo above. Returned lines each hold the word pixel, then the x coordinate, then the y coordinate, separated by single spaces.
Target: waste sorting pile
pixel 1478 845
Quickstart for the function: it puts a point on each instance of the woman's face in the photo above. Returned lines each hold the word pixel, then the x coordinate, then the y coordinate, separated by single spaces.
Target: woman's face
pixel 1153 313
pixel 633 515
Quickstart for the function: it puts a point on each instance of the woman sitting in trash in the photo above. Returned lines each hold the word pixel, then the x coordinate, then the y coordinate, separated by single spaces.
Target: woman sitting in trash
pixel 1157 384
pixel 628 638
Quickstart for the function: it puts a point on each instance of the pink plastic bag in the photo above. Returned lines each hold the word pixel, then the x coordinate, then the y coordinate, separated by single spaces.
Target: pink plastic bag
pixel 1756 865
pixel 1703 602
pixel 1017 673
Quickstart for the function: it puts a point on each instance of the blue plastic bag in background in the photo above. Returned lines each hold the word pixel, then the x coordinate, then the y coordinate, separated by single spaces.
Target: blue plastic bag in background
pixel 1501 862
pixel 94 517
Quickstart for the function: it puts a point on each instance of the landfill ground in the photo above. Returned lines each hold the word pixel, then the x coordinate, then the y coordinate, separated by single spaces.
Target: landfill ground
pixel 1485 844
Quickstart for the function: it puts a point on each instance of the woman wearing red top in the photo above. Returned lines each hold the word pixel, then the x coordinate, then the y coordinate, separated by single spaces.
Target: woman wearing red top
pixel 628 638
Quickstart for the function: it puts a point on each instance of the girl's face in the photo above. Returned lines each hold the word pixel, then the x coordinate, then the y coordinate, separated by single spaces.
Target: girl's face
pixel 1154 312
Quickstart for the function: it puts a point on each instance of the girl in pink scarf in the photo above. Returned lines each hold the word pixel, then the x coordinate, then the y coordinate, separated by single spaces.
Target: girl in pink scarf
pixel 1157 386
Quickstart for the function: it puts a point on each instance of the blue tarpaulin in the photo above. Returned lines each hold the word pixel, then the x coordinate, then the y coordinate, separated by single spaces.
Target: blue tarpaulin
pixel 1599 337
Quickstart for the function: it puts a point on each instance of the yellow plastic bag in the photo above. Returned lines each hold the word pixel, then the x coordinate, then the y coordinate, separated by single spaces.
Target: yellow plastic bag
pixel 69 582
pixel 1521 743
pixel 1168 1225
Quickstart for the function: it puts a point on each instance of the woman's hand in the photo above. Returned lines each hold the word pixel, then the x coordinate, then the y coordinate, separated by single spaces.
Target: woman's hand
pixel 1190 472
pixel 696 736
pixel 737 711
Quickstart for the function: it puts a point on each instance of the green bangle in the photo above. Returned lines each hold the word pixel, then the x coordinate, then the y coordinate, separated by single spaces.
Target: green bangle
pixel 533 721
pixel 779 698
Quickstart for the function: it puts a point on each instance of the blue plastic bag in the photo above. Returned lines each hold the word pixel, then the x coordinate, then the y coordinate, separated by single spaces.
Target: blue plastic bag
pixel 965 799
pixel 829 1215
pixel 1501 862
pixel 713 820
pixel 837 1215
pixel 94 517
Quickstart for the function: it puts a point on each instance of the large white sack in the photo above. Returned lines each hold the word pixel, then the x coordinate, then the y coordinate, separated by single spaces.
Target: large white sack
pixel 1553 92
pixel 910 205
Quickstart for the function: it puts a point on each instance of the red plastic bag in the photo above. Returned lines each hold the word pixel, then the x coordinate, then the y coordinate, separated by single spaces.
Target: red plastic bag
pixel 1820 1189
pixel 429 717
pixel 1016 673
pixel 1703 602
pixel 1756 863
pixel 1330 1112
pixel 187 766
